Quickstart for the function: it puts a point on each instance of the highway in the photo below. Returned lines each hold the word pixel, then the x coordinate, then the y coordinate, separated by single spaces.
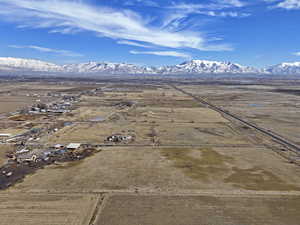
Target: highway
pixel 271 134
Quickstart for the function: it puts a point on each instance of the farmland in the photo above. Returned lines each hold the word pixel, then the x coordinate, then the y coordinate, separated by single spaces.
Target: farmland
pixel 150 153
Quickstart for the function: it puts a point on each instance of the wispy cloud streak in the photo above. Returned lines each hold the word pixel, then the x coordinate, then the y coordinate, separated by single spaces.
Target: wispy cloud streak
pixel 162 53
pixel 215 5
pixel 289 4
pixel 284 4
pixel 49 50
pixel 179 14
pixel 69 16
pixel 296 53
pixel 132 43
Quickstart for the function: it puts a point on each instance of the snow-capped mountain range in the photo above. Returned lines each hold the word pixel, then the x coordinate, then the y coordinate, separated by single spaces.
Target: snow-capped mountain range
pixel 26 64
pixel 285 68
pixel 190 67
pixel 207 67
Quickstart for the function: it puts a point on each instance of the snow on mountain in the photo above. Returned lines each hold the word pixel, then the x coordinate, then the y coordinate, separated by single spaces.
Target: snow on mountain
pixel 8 63
pixel 292 68
pixel 207 67
pixel 110 68
pixel 190 67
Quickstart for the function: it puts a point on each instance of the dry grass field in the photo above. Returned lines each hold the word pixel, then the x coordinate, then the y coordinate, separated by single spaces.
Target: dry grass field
pixel 88 113
pixel 97 133
pixel 196 210
pixel 175 114
pixel 12 131
pixel 176 169
pixel 198 134
pixel 168 129
pixel 3 150
pixel 170 125
pixel 13 103
pixel 274 107
pixel 46 209
pixel 188 164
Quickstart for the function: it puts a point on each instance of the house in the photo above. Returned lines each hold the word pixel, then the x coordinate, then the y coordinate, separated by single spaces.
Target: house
pixel 73 146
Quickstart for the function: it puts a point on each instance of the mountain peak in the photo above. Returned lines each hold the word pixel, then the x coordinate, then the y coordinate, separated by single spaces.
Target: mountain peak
pixel 285 68
pixel 27 64
pixel 206 66
pixel 194 66
pixel 290 64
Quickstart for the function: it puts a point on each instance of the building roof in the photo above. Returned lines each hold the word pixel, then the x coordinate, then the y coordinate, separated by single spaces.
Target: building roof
pixel 58 146
pixel 73 145
pixel 5 135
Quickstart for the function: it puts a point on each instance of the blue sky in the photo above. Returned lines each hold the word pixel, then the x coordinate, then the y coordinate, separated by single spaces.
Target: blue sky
pixel 148 32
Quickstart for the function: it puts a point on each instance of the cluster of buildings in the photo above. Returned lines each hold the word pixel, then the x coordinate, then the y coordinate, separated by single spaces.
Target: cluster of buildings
pixel 118 138
pixel 63 106
pixel 32 134
pixel 32 155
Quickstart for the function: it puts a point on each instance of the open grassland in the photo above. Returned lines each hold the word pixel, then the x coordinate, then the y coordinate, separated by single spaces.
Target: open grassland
pixel 162 132
pixel 195 210
pixel 97 133
pixel 158 98
pixel 12 131
pixel 187 164
pixel 197 134
pixel 3 150
pixel 90 113
pixel 148 124
pixel 13 103
pixel 52 209
pixel 211 165
pixel 278 111
pixel 177 169
pixel 175 115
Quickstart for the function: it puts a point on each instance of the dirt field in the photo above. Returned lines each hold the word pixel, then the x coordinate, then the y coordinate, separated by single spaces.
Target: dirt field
pixel 13 103
pixel 195 210
pixel 49 209
pixel 3 150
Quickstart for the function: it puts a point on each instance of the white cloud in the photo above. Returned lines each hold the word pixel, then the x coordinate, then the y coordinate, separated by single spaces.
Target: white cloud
pixel 132 43
pixel 49 50
pixel 68 16
pixel 234 3
pixel 216 5
pixel 148 3
pixel 180 12
pixel 285 4
pixel 296 53
pixel 289 4
pixel 223 14
pixel 162 53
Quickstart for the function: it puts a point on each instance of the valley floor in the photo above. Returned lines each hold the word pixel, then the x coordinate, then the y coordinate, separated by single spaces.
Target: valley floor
pixel 184 163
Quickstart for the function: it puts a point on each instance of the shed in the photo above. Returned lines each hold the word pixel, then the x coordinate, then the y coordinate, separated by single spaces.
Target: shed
pixel 73 146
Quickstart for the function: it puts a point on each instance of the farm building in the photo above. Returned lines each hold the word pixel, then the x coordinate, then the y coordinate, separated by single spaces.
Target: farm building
pixel 73 146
